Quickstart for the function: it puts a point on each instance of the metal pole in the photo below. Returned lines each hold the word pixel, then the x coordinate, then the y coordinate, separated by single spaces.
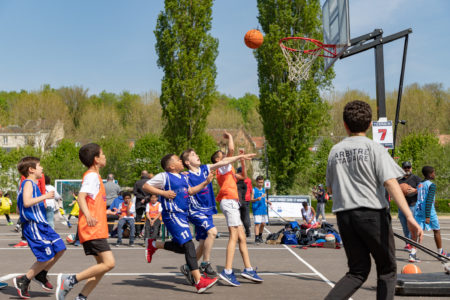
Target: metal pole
pixel 400 92
pixel 266 158
pixel 379 73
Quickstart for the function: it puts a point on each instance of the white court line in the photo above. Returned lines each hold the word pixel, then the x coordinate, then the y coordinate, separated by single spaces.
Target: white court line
pixel 13 275
pixel 142 248
pixel 427 234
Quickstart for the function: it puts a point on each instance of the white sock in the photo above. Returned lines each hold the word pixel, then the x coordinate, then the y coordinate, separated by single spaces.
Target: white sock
pixel 154 244
pixel 440 250
pixel 228 272
pixel 249 269
pixel 413 251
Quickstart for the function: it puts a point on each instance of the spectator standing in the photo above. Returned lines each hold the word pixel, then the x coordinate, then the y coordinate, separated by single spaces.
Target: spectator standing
pixel 112 190
pixel 411 197
pixel 51 202
pixel 5 206
pixel 319 193
pixel 142 198
pixel 245 195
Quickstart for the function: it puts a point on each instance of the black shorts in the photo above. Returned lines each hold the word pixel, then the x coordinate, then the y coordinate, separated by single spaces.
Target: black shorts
pixel 94 247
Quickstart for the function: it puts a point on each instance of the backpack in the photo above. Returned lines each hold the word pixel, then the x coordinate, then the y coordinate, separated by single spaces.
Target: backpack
pixel 275 238
pixel 289 238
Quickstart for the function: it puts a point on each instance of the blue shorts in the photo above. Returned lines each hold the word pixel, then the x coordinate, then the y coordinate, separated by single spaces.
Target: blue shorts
pixel 434 223
pixel 178 226
pixel 203 223
pixel 44 242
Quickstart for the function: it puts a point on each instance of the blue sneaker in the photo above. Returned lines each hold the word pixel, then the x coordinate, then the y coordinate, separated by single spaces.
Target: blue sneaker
pixel 229 278
pixel 3 284
pixel 251 275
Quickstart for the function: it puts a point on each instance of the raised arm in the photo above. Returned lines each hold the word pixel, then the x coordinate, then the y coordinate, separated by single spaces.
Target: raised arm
pixel 243 175
pixel 229 137
pixel 229 160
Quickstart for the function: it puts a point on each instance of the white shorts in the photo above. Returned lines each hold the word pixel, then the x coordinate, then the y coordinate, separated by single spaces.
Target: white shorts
pixel 261 219
pixel 230 209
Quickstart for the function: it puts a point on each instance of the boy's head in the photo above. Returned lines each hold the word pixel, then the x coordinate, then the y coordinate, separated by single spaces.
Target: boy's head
pixel 190 159
pixel 357 116
pixel 172 163
pixel 217 156
pixel 7 195
pixel 260 181
pixel 92 154
pixel 428 172
pixel 126 197
pixel 305 204
pixel 30 165
pixel 153 199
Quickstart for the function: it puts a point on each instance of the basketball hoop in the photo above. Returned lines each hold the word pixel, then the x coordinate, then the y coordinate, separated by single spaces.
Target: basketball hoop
pixel 300 54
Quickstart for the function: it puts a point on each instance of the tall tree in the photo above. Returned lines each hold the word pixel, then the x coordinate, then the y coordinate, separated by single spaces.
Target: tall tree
pixel 292 114
pixel 187 54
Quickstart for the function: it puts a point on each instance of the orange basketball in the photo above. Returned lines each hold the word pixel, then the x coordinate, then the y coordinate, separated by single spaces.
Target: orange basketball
pixel 411 269
pixel 253 39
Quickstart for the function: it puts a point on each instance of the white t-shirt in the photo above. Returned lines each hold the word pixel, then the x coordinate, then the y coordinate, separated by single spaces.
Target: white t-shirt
pixel 147 207
pixel 91 185
pixel 225 169
pixel 51 202
pixel 132 211
pixel 159 180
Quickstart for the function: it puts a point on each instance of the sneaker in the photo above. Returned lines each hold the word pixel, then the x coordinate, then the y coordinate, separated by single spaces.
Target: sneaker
pixel 205 283
pixel 22 287
pixel 69 225
pixel 10 223
pixel 257 242
pixel 42 279
pixel 63 286
pixel 118 244
pixel 206 268
pixel 443 252
pixel 17 228
pixel 251 275
pixel 229 278
pixel 413 258
pixel 21 244
pixel 150 250
pixel 131 244
pixel 407 247
pixel 187 273
pixel 77 243
pixel 3 284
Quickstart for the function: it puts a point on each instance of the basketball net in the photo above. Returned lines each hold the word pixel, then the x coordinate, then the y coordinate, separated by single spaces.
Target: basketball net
pixel 300 54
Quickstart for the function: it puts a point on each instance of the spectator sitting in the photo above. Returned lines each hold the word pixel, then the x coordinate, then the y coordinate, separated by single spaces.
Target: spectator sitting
pixel 309 216
pixel 126 215
pixel 153 214
pixel 112 214
pixel 112 190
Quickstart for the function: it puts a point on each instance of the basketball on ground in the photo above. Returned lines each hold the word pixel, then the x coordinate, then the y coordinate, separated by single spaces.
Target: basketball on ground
pixel 70 239
pixel 330 237
pixel 253 39
pixel 411 269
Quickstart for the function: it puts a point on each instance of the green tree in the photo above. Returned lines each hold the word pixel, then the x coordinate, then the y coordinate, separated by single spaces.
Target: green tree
pixel 118 159
pixel 147 154
pixel 292 114
pixel 63 162
pixel 186 53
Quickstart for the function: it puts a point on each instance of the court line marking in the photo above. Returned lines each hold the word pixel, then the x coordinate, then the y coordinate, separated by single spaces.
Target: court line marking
pixel 142 248
pixel 427 234
pixel 13 275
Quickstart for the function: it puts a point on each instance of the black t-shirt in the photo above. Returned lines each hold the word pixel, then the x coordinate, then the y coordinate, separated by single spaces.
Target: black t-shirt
pixel 139 192
pixel 242 190
pixel 412 180
pixel 321 198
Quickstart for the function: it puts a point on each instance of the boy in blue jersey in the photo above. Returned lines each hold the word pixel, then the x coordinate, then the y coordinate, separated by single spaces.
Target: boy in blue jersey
pixel 44 242
pixel 259 207
pixel 203 206
pixel 175 196
pixel 425 212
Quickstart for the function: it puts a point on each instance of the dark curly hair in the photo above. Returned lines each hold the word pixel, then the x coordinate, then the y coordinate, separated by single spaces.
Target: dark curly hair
pixel 357 115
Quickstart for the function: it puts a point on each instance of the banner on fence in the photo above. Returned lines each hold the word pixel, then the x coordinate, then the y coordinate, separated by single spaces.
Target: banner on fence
pixel 287 206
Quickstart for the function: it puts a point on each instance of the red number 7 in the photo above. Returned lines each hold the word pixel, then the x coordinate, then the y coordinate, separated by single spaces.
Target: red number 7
pixel 383 133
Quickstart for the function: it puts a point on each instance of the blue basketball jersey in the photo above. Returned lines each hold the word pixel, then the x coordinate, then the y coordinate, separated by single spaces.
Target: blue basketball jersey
pixel 35 213
pixel 422 194
pixel 259 207
pixel 204 201
pixel 179 204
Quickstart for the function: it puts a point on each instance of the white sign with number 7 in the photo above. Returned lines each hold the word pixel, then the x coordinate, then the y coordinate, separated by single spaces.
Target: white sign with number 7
pixel 382 133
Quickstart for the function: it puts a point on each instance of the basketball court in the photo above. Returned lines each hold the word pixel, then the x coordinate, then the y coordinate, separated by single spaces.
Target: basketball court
pixel 287 272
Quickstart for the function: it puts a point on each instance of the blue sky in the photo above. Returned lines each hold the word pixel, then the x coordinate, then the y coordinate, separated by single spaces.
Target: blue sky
pixel 109 45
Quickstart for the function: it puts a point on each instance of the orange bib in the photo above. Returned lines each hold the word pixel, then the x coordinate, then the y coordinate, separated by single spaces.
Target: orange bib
pixel 228 187
pixel 153 211
pixel 97 209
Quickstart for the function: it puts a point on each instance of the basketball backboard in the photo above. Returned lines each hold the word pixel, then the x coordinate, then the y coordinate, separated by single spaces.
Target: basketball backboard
pixel 336 27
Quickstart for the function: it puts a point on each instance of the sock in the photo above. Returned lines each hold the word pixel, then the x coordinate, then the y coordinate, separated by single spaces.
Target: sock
pixel 228 272
pixel 413 251
pixel 27 281
pixel 260 235
pixel 440 250
pixel 73 280
pixel 81 296
pixel 204 263
pixel 154 244
pixel 44 272
pixel 249 269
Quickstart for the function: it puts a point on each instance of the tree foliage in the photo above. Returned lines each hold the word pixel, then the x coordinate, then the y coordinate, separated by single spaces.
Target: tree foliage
pixel 292 114
pixel 147 154
pixel 62 162
pixel 186 53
